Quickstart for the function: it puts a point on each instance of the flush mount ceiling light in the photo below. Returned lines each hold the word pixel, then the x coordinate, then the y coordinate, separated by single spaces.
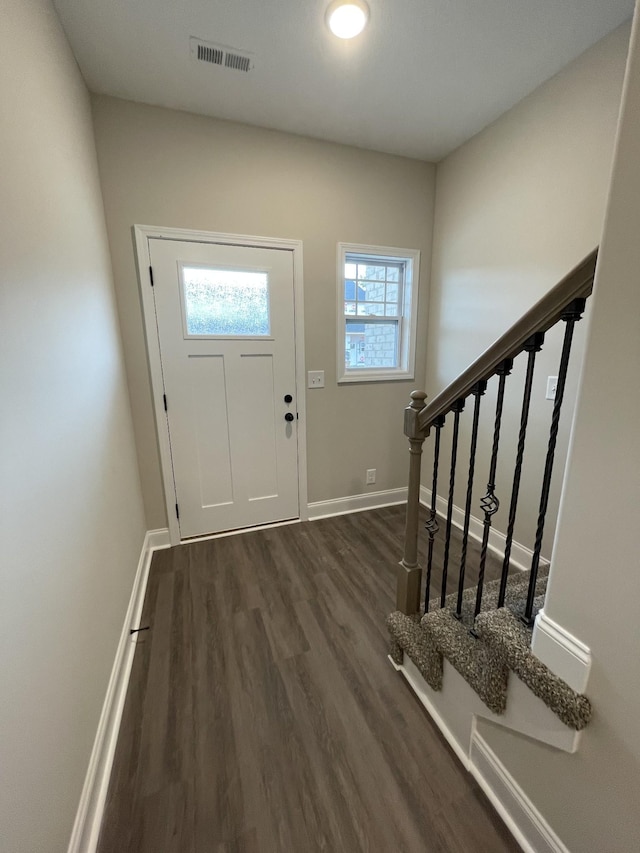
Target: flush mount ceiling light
pixel 347 18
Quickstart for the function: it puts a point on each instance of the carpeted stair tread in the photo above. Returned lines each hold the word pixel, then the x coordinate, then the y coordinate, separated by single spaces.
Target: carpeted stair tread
pixel 476 662
pixel 502 644
pixel 407 636
pixel 510 641
pixel 516 593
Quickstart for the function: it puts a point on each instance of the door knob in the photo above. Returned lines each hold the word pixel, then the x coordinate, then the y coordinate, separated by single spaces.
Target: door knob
pixel 288 398
pixel 289 417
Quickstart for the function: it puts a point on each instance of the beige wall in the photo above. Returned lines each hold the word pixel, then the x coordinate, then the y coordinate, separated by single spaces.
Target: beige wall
pixel 516 208
pixel 161 167
pixel 591 798
pixel 71 518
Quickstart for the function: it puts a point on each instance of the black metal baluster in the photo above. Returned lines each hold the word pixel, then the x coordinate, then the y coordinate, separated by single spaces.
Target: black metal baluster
pixel 533 345
pixel 457 407
pixel 572 313
pixel 477 391
pixel 432 525
pixel 490 503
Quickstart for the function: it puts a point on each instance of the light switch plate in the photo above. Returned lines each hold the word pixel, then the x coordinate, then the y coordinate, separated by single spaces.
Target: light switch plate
pixel 315 379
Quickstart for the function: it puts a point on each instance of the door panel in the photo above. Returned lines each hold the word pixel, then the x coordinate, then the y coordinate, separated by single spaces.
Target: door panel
pixel 225 319
pixel 259 436
pixel 209 414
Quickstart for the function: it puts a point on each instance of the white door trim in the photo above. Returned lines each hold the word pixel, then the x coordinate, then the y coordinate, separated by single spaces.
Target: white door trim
pixel 142 234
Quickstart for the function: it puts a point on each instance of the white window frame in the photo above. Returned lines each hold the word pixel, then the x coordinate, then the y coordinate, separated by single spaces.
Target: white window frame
pixel 407 320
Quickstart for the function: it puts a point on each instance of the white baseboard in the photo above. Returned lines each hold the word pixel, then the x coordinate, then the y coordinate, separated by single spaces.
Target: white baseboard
pixel 563 653
pixel 156 540
pixel 521 556
pixel 356 503
pixel 522 819
pixel 86 828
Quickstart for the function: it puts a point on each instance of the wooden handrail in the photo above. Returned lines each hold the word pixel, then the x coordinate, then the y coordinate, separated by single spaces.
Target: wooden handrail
pixel 541 317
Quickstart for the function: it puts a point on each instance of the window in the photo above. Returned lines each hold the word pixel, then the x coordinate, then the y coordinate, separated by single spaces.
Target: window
pixel 225 302
pixel 377 300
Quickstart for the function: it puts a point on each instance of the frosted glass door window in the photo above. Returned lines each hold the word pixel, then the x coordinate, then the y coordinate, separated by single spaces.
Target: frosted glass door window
pixel 223 302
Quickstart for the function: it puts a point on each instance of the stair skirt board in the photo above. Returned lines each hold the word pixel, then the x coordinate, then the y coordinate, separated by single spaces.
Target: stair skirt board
pixel 521 556
pixel 459 704
pixel 86 828
pixel 522 819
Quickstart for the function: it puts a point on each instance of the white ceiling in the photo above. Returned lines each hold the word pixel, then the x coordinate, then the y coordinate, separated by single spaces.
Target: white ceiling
pixel 424 77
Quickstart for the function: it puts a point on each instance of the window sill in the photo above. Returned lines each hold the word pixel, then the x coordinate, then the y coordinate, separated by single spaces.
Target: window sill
pixel 358 376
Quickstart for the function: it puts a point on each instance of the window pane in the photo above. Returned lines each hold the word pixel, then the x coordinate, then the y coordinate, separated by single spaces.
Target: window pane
pixel 349 270
pixel 371 344
pixel 372 291
pixel 372 272
pixel 350 289
pixel 375 309
pixel 226 302
pixel 391 309
pixel 393 273
pixel 392 291
pixel 349 307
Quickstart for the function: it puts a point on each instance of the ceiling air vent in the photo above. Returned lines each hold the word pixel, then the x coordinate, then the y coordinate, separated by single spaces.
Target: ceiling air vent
pixel 235 60
pixel 210 54
pixel 220 54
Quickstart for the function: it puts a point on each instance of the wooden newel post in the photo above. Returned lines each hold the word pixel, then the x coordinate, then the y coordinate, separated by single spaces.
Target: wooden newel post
pixel 409 576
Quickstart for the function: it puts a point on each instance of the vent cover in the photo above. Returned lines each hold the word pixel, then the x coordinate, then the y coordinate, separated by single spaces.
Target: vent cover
pixel 219 54
pixel 210 54
pixel 235 60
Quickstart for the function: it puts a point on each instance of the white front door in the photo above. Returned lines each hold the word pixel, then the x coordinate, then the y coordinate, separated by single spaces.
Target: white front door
pixel 225 319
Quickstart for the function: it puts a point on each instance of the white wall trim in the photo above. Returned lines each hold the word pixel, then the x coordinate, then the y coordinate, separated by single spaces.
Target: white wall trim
pixel 522 818
pixel 527 715
pixel 156 540
pixel 564 654
pixel 356 503
pixel 86 828
pixel 142 234
pixel 521 556
pixel 408 321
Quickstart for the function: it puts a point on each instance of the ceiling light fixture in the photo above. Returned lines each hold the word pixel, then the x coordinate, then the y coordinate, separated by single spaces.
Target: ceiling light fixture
pixel 347 18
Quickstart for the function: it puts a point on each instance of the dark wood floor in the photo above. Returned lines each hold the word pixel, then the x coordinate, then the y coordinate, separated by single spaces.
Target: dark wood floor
pixel 263 714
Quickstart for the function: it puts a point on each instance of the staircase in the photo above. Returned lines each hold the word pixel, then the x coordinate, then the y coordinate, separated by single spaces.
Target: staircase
pixel 489 648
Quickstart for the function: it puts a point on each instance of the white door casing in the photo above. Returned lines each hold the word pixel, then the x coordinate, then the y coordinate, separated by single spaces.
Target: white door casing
pixel 229 458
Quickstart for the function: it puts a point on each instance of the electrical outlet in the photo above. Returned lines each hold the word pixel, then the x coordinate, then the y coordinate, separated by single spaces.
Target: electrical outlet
pixel 371 476
pixel 315 379
pixel 552 384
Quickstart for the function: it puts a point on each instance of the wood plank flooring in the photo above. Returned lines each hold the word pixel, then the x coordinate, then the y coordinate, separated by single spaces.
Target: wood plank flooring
pixel 263 716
